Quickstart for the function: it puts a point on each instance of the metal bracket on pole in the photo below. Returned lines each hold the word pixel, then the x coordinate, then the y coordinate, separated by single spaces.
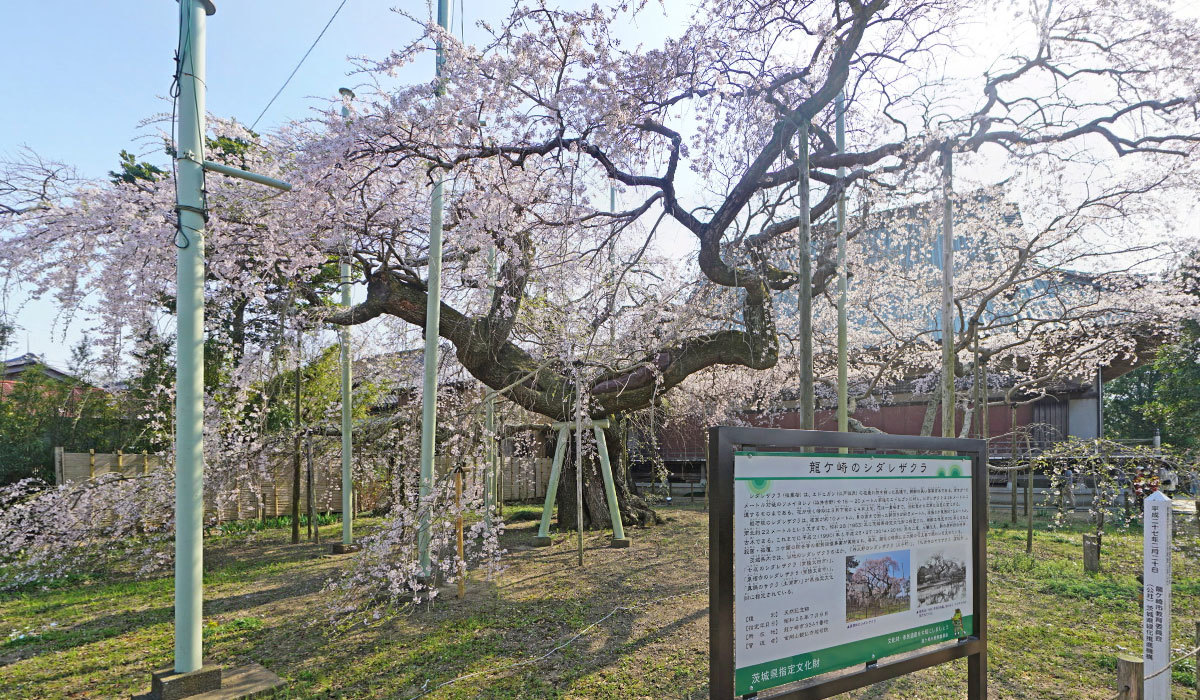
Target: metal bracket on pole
pixel 246 175
pixel 610 489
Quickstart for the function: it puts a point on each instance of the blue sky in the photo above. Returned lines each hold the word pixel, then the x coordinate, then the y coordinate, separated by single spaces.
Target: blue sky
pixel 78 77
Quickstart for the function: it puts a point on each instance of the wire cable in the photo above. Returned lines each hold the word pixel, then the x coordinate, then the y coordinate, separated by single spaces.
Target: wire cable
pixel 302 59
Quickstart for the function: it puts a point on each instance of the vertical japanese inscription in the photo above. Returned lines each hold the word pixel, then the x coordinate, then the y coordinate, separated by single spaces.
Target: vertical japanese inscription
pixel 1156 577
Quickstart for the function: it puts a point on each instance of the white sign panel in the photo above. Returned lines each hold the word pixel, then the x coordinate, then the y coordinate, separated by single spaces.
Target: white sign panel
pixel 1156 577
pixel 844 559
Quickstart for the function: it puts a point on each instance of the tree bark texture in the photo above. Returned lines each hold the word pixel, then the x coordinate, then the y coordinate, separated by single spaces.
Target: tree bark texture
pixel 634 509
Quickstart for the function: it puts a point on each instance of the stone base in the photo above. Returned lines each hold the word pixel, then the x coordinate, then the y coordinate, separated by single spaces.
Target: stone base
pixel 622 543
pixel 341 548
pixel 250 681
pixel 167 684
pixel 542 541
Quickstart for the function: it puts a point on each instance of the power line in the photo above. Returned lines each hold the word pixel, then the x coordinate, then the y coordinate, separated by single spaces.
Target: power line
pixel 302 59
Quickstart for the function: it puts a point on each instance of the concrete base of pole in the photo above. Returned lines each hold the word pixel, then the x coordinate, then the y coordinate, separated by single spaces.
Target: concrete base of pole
pixel 167 684
pixel 542 541
pixel 622 543
pixel 210 683
pixel 342 548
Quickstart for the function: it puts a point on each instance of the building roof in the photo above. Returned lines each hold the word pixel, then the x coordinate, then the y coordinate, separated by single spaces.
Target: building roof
pixel 23 363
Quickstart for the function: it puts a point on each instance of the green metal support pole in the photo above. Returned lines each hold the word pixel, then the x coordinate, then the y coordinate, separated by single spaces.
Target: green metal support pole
pixel 947 295
pixel 433 310
pixel 610 489
pixel 560 451
pixel 189 371
pixel 843 398
pixel 807 401
pixel 347 388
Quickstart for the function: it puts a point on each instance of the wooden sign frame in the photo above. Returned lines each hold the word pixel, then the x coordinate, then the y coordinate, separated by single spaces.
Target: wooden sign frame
pixel 723 442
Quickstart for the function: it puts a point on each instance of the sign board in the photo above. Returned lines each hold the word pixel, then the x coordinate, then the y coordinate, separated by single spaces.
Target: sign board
pixel 837 561
pixel 1156 578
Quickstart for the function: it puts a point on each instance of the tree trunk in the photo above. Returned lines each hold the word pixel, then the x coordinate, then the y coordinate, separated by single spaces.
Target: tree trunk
pixel 634 510
pixel 930 413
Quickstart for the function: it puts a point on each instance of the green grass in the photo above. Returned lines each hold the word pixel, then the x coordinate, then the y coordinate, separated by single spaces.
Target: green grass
pixel 1054 631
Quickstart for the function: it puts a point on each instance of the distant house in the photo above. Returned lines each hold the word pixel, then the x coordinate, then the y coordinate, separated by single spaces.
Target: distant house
pixel 16 366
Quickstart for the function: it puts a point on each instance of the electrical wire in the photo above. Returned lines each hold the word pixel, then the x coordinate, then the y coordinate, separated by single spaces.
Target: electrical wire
pixel 174 92
pixel 302 59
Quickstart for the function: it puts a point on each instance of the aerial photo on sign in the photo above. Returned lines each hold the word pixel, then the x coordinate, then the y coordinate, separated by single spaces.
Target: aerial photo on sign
pixel 846 559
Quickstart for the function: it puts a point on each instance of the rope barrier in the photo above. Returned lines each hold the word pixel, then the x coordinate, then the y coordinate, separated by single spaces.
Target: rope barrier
pixel 560 647
pixel 1162 670
pixel 1159 672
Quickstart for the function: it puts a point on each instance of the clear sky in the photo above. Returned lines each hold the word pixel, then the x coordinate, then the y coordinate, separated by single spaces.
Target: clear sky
pixel 78 77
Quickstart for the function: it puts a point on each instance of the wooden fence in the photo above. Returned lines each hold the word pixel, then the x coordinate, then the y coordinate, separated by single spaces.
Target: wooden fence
pixel 258 496
pixel 522 478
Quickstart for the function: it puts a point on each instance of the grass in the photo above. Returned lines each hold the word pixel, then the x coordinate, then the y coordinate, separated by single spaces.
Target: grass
pixel 1054 631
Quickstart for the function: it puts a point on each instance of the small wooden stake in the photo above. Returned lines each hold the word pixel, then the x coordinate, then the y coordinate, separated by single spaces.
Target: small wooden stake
pixel 1013 476
pixel 1029 510
pixel 1130 677
pixel 1091 553
pixel 462 572
pixel 92 463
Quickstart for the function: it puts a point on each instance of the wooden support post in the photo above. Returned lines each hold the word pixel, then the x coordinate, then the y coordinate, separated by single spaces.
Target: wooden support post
pixel 92 463
pixel 1091 553
pixel 120 462
pixel 314 532
pixel 1013 476
pixel 145 463
pixel 1029 510
pixel 462 563
pixel 59 476
pixel 500 481
pixel 1130 677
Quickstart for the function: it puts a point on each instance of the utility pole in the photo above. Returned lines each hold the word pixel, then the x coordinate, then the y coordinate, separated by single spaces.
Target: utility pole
pixel 347 389
pixel 433 308
pixel 843 399
pixel 189 370
pixel 947 296
pixel 807 419
pixel 192 209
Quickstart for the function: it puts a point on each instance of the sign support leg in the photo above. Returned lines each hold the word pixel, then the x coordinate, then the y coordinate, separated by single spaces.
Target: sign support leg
pixel 977 676
pixel 543 536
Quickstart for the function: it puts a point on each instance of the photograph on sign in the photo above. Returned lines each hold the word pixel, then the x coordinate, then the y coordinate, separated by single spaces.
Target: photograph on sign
pixel 845 559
